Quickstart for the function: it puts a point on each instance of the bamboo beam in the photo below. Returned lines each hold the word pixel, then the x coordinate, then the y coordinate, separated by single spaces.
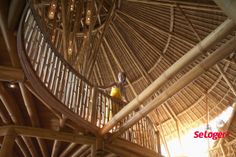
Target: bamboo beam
pixel 30 106
pixel 182 4
pixel 57 144
pixel 202 67
pixel 162 134
pixel 167 33
pixel 196 51
pixel 8 36
pixel 11 74
pixel 139 36
pixel 64 33
pixel 158 141
pixel 68 149
pixel 111 155
pixel 132 56
pixel 109 63
pixel 208 91
pixel 10 104
pixel 229 8
pixel 30 88
pixel 99 146
pixel 223 151
pixel 29 103
pixel 14 13
pixel 86 153
pixel 7 120
pixel 172 11
pixel 120 151
pixel 80 150
pixel 49 134
pixel 102 33
pixel 133 148
pixel 8 143
pixel 23 148
pixel 93 151
pixel 226 79
pixel 189 23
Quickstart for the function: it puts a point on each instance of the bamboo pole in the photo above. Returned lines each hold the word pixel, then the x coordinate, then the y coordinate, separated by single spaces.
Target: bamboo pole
pixel 49 134
pixel 11 74
pixel 79 151
pixel 29 103
pixel 8 143
pixel 14 13
pixel 223 151
pixel 202 67
pixel 99 146
pixel 10 104
pixel 8 36
pixel 65 25
pixel 67 150
pixel 120 151
pixel 57 144
pixel 6 120
pixel 229 8
pixel 111 155
pixel 182 4
pixel 131 147
pixel 200 48
pixel 93 151
pixel 158 141
pixel 226 80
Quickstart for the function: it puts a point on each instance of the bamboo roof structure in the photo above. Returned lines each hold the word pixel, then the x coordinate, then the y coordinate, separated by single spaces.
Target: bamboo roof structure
pixel 179 57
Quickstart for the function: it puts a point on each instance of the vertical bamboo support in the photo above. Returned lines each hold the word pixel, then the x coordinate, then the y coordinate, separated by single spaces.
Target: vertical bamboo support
pixel 99 147
pixel 158 142
pixel 8 143
pixel 93 106
pixel 93 151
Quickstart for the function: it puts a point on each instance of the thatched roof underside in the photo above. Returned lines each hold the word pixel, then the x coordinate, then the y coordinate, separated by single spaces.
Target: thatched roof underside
pixel 144 39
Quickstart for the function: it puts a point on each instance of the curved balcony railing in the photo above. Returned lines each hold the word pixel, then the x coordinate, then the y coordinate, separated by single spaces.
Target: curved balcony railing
pixel 63 88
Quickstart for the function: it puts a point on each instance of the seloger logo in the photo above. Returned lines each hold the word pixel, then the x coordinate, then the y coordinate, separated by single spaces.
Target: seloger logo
pixel 212 135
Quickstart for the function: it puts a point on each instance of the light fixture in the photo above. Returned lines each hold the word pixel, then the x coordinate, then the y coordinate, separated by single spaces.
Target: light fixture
pixel 12 85
pixel 220 123
pixel 52 10
pixel 88 17
pixel 70 48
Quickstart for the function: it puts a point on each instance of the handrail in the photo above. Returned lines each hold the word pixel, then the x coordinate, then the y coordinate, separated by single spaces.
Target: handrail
pixel 65 90
pixel 62 85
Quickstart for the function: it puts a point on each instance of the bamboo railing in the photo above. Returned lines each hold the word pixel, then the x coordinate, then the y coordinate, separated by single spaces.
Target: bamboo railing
pixel 65 90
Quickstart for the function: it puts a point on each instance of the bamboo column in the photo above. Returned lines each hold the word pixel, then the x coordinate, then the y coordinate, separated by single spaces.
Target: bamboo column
pixel 8 143
pixel 93 106
pixel 93 150
pixel 199 69
pixel 99 147
pixel 158 142
pixel 30 106
pixel 57 144
pixel 196 51
pixel 8 36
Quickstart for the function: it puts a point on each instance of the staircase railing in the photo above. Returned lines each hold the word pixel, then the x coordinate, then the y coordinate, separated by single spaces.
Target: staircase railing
pixel 65 90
